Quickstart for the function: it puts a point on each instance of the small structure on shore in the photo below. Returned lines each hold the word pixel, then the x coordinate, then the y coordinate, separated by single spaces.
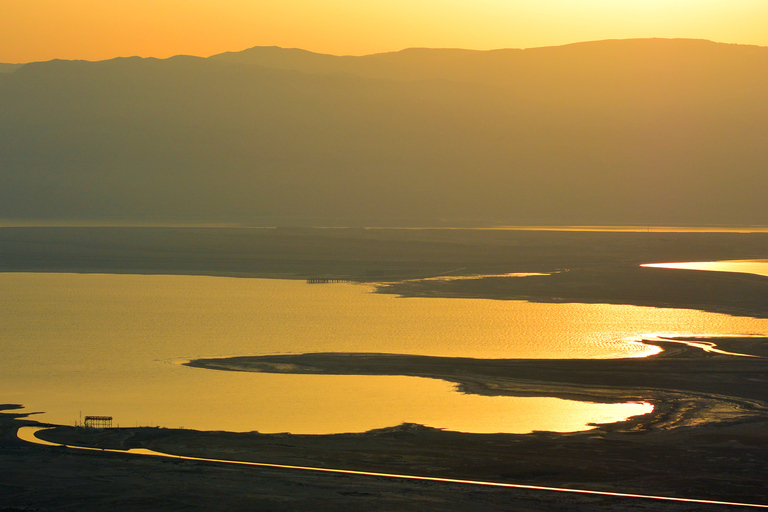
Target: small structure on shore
pixel 98 422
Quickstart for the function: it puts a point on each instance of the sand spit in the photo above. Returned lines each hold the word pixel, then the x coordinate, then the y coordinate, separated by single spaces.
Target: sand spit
pixel 734 391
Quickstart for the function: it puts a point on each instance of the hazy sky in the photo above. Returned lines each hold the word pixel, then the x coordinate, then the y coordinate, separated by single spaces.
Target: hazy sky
pixel 32 30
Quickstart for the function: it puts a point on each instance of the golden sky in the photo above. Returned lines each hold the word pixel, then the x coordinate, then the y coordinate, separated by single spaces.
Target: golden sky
pixel 33 30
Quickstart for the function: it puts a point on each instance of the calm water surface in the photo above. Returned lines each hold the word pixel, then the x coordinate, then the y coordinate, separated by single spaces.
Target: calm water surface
pixel 110 344
pixel 759 267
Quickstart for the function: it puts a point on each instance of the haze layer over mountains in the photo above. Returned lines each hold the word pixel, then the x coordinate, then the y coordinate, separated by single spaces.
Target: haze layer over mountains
pixel 613 132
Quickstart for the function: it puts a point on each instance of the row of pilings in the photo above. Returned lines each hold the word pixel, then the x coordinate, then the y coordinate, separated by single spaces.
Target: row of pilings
pixel 325 280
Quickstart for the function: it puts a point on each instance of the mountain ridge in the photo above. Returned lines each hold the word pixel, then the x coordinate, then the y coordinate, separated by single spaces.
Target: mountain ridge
pixel 607 132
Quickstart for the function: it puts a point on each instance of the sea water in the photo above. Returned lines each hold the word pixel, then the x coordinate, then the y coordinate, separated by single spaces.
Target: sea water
pixel 95 344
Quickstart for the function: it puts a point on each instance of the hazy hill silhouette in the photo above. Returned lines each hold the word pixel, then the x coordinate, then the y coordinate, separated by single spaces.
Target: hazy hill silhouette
pixel 9 68
pixel 611 132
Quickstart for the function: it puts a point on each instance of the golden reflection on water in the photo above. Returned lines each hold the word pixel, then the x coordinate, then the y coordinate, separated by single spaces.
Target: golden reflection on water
pixel 105 345
pixel 758 267
pixel 320 404
pixel 325 404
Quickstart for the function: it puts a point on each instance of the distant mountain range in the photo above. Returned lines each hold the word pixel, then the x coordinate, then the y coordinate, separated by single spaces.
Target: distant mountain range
pixel 652 131
pixel 9 68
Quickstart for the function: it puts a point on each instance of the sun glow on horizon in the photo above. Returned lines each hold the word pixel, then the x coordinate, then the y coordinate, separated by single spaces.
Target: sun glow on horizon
pixel 100 29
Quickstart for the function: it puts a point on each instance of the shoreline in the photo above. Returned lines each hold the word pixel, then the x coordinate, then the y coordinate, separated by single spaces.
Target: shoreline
pixel 718 425
pixel 669 380
pixel 754 303
pixel 706 438
pixel 652 460
pixel 584 266
pixel 31 438
pixel 726 293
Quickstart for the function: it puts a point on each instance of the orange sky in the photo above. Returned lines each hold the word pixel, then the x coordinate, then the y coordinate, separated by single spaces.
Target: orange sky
pixel 32 30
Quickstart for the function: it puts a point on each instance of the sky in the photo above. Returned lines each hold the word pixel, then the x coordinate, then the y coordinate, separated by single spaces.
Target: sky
pixel 36 30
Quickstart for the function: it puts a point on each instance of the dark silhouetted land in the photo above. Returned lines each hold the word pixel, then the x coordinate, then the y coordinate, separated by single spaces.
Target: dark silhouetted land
pixel 47 478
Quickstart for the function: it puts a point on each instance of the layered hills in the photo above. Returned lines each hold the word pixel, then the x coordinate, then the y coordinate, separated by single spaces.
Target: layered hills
pixel 611 132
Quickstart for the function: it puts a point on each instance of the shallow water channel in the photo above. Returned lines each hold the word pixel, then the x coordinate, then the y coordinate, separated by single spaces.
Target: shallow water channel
pixel 96 344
